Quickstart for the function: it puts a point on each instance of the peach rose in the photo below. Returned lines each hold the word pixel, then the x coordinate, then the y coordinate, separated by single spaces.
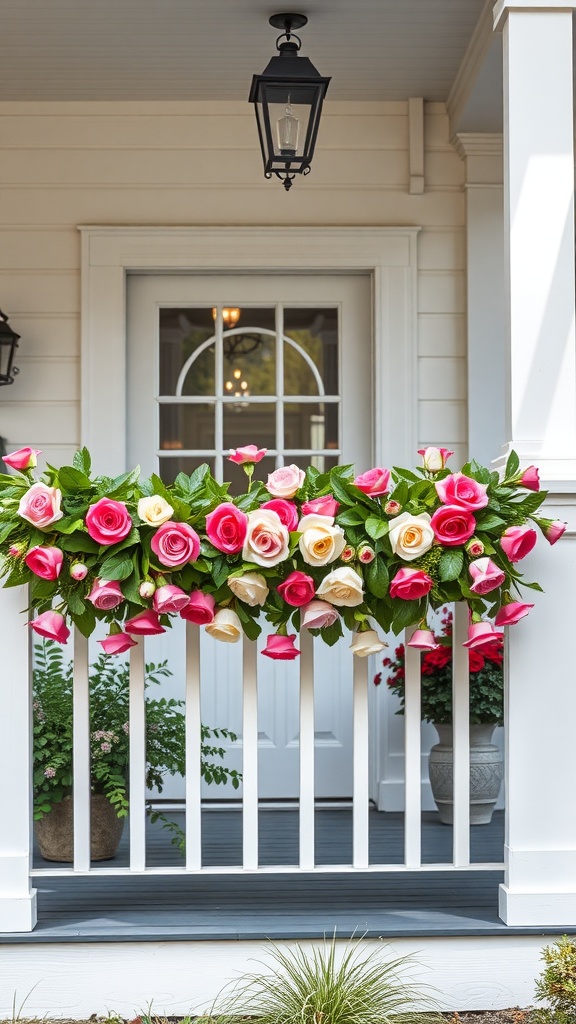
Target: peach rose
pixel 342 587
pixel 411 536
pixel 321 542
pixel 267 539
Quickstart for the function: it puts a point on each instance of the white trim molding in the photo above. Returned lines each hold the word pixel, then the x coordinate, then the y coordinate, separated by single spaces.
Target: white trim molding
pixel 502 8
pixel 110 253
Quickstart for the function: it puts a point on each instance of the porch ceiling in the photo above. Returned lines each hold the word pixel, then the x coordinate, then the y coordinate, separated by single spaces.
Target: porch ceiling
pixel 209 49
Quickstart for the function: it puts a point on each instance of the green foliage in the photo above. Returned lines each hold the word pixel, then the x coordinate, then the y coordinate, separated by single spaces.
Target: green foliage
pixel 322 987
pixel 109 732
pixel 556 986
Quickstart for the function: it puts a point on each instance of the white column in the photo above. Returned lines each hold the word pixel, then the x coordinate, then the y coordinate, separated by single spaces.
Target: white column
pixel 486 306
pixel 17 899
pixel 540 850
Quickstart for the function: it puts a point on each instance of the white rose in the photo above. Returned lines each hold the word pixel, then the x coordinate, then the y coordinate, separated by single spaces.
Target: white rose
pixel 267 539
pixel 411 536
pixel 250 588
pixel 321 542
pixel 284 482
pixel 367 643
pixel 154 510
pixel 225 626
pixel 342 586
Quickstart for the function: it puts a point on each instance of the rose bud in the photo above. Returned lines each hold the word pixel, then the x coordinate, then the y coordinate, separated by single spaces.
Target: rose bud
pixel 434 459
pixel 78 571
pixel 475 548
pixel 392 508
pixel 146 589
pixel 530 479
pixel 366 554
pixel 348 554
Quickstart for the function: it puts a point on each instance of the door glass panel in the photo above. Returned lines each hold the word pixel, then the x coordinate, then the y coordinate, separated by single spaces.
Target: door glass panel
pixel 182 333
pixel 234 413
pixel 187 427
pixel 237 478
pixel 246 423
pixel 313 358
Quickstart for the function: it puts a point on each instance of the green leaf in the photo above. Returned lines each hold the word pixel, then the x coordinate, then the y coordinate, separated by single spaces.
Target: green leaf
pixel 71 479
pixel 68 524
pixel 75 603
pixel 489 522
pixel 377 577
pixel 450 565
pixel 512 465
pixel 86 622
pixel 406 613
pixel 250 625
pixel 82 461
pixel 331 634
pixel 352 517
pixel 79 542
pixel 116 569
pixel 376 528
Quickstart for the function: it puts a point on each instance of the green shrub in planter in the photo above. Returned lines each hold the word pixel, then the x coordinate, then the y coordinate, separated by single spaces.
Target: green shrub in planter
pixel 556 986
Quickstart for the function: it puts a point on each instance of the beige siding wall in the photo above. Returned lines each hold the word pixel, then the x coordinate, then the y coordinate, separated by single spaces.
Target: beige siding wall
pixel 184 163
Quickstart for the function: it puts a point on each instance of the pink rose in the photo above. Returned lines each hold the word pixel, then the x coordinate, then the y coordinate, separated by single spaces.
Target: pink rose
pixel 78 571
pixel 249 453
pixel 461 490
pixel 170 599
pixel 108 521
pixel 175 544
pixel 297 589
pixel 452 525
pixel 117 643
pixel 51 625
pixel 281 648
pixel 530 479
pixel 482 634
pixel 106 594
pixel 284 482
pixel 374 482
pixel 285 510
pixel 486 575
pixel 24 458
pixel 226 528
pixel 512 612
pixel 411 584
pixel 323 506
pixel 517 541
pixel 366 554
pixel 475 548
pixel 434 459
pixel 552 529
pixel 267 539
pixel 41 505
pixel 200 608
pixel 144 624
pixel 45 562
pixel 423 640
pixel 317 615
pixel 392 508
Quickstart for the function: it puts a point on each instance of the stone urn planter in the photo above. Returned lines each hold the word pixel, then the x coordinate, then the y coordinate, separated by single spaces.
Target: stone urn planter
pixel 55 831
pixel 486 773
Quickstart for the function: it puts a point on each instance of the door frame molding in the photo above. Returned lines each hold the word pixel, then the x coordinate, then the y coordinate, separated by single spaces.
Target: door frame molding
pixel 110 253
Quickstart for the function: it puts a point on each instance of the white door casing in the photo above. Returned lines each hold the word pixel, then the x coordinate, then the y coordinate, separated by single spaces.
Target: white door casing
pixel 388 255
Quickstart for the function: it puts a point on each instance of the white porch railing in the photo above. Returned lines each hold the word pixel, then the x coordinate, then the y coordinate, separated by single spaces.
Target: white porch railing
pixel 17 900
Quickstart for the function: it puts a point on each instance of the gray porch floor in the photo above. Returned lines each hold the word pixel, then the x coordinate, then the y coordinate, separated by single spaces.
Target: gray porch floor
pixel 298 905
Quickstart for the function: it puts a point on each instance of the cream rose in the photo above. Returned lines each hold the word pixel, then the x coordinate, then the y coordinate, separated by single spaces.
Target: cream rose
pixel 250 588
pixel 225 626
pixel 411 536
pixel 154 510
pixel 267 539
pixel 321 542
pixel 342 586
pixel 284 482
pixel 367 643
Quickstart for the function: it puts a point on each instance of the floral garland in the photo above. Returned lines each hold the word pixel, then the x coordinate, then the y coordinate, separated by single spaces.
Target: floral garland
pixel 307 549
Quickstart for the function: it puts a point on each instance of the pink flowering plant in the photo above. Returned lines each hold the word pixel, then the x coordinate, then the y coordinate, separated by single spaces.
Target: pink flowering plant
pixel 486 679
pixel 306 549
pixel 109 733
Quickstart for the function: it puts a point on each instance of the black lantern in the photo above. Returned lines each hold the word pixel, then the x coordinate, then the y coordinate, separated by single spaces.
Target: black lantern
pixel 8 345
pixel 288 98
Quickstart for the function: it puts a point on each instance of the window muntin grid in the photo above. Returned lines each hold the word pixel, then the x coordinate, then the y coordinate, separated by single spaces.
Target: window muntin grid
pixel 288 358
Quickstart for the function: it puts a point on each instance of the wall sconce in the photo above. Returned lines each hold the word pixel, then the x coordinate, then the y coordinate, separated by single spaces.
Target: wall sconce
pixel 288 98
pixel 8 345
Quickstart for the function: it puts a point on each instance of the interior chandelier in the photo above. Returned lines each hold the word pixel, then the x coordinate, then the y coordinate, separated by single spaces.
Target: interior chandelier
pixel 288 98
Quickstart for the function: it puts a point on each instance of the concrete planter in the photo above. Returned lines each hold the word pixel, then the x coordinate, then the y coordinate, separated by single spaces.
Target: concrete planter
pixel 486 773
pixel 55 831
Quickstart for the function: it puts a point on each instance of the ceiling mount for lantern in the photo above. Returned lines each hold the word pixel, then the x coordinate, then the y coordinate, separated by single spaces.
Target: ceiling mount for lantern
pixel 288 98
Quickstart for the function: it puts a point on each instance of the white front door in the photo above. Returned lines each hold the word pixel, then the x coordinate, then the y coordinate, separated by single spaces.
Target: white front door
pixel 292 374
